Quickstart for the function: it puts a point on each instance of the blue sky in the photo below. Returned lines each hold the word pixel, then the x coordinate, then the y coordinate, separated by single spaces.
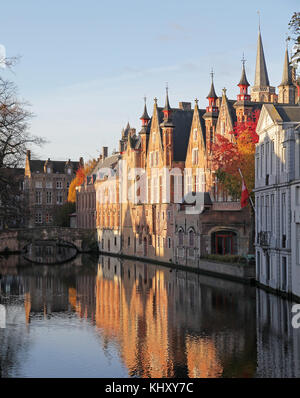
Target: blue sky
pixel 86 65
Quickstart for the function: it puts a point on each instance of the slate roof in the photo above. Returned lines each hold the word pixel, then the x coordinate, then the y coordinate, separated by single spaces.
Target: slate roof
pixel 109 163
pixel 212 92
pixel 182 120
pixel 289 113
pixel 57 165
pixel 243 81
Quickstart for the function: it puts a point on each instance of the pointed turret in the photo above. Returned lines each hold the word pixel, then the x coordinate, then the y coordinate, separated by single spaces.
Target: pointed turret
pixel 211 114
pixel 286 89
pixel 243 84
pixel 262 91
pixel 212 97
pixel 167 133
pixel 167 111
pixel 145 117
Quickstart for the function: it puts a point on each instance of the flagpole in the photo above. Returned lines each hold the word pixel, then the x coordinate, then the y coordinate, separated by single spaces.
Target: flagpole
pixel 251 202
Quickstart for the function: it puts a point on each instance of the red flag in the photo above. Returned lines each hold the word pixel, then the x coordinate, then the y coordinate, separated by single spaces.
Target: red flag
pixel 245 194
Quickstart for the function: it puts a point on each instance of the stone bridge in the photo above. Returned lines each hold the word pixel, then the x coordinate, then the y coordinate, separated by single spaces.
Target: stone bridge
pixel 16 240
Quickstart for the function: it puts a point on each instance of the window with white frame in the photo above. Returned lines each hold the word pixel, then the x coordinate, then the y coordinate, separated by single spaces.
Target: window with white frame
pixel 262 160
pixel 59 200
pixel 59 184
pixel 272 210
pixel 283 213
pixel 48 218
pixel 267 156
pixel 49 184
pixel 38 197
pixel 39 184
pixel 283 159
pixel 49 197
pixel 272 156
pixel 38 218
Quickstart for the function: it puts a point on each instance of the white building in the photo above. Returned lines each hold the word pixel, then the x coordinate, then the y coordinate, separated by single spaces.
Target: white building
pixel 277 191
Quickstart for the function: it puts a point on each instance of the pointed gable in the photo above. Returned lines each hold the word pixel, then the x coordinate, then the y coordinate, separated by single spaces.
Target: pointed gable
pixel 197 138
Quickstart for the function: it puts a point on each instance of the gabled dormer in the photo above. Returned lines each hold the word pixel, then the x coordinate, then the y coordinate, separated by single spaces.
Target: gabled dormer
pixel 68 167
pixel 48 167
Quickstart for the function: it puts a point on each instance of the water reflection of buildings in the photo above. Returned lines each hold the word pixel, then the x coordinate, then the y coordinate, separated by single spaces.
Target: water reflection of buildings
pixel 165 323
pixel 278 344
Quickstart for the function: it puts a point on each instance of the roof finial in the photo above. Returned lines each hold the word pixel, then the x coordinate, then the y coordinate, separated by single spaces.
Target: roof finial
pixel 196 101
pixel 155 100
pixel 224 91
pixel 243 60
pixel 258 12
pixel 212 74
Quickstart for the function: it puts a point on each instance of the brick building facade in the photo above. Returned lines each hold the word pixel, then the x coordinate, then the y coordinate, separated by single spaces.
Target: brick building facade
pixel 46 187
pixel 167 164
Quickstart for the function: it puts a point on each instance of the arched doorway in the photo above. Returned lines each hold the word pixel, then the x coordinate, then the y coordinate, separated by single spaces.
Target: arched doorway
pixel 145 246
pixel 224 242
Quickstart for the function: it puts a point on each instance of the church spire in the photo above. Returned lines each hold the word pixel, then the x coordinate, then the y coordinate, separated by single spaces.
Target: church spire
pixel 286 75
pixel 262 91
pixel 286 89
pixel 261 73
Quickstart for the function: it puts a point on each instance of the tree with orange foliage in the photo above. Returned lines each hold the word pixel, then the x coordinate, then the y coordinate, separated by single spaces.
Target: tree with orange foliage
pixel 228 157
pixel 81 174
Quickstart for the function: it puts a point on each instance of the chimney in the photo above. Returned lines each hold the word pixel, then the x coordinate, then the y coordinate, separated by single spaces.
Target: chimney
pixel 185 106
pixel 104 152
pixel 28 154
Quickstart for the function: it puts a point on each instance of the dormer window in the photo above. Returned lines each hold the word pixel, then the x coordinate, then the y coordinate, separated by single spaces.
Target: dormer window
pixel 69 171
pixel 48 170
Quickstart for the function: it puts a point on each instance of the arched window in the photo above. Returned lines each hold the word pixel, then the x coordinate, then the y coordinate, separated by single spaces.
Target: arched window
pixel 180 237
pixel 191 238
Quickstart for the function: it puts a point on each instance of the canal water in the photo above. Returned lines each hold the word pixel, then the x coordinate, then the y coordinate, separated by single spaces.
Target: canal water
pixel 106 317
